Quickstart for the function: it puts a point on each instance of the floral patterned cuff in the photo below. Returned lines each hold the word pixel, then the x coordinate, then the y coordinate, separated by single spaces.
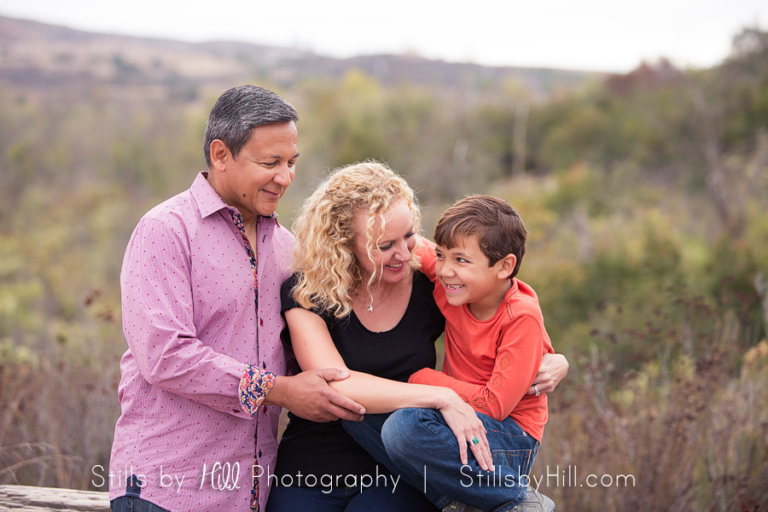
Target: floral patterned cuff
pixel 254 387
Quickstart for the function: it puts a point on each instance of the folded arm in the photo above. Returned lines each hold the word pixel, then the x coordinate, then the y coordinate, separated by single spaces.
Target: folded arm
pixel 517 360
pixel 159 326
pixel 553 368
pixel 314 348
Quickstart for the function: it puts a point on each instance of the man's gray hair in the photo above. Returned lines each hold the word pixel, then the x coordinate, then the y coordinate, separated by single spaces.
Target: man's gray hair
pixel 238 111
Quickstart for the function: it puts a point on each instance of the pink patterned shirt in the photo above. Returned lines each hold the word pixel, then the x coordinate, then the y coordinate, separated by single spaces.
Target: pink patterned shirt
pixel 194 375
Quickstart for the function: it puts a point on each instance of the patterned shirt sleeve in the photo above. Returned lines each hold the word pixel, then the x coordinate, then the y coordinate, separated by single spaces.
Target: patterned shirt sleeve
pixel 254 387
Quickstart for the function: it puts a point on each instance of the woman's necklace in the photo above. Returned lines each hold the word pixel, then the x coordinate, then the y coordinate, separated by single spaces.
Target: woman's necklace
pixel 371 306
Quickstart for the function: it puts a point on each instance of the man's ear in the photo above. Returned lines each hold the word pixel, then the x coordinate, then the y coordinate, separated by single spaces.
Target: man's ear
pixel 506 266
pixel 219 155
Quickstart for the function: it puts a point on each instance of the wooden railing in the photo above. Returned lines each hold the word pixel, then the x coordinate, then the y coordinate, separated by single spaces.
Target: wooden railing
pixel 20 498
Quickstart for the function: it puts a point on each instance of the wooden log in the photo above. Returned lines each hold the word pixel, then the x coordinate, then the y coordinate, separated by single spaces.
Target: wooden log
pixel 21 498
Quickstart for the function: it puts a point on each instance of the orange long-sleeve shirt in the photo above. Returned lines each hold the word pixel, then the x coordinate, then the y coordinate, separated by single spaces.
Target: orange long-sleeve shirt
pixel 491 364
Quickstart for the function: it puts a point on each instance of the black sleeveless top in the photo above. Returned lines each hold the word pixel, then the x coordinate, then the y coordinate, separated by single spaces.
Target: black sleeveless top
pixel 326 448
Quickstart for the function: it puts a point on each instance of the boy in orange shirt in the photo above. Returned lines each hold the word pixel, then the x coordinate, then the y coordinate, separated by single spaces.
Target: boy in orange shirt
pixel 494 341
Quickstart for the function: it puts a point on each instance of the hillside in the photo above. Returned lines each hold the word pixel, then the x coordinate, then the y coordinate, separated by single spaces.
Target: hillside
pixel 37 58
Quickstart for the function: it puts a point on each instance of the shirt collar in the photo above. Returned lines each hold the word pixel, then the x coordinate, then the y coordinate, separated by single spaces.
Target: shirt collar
pixel 207 199
pixel 205 196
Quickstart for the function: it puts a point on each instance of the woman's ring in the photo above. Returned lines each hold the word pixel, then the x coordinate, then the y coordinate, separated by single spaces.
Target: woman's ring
pixel 536 389
pixel 476 441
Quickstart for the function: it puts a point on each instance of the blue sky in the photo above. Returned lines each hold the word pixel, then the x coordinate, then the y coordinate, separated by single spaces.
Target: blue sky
pixel 599 35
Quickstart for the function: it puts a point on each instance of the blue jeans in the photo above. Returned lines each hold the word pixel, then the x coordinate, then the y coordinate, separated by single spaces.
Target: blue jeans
pixel 418 445
pixel 348 499
pixel 131 501
pixel 133 504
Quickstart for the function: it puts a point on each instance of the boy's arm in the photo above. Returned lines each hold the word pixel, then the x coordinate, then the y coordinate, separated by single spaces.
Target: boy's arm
pixel 314 348
pixel 426 253
pixel 517 361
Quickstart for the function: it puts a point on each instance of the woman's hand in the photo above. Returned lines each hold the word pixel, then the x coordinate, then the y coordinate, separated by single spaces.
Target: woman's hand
pixel 553 369
pixel 467 427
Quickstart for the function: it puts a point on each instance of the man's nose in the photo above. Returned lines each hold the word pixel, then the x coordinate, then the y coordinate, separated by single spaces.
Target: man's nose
pixel 284 175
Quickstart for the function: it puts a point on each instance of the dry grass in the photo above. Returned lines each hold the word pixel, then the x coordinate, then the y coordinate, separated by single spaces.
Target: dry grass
pixel 689 428
pixel 697 441
pixel 57 420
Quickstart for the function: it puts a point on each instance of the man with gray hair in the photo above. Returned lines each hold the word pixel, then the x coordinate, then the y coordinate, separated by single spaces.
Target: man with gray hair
pixel 201 314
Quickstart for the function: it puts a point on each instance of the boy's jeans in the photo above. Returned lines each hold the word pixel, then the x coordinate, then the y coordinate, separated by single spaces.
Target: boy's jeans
pixel 418 445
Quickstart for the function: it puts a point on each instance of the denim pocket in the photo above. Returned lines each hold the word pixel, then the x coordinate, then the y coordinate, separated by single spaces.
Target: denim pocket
pixel 518 460
pixel 511 429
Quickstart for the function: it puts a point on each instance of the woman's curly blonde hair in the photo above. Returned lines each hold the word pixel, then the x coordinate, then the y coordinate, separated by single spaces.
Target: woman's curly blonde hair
pixel 328 271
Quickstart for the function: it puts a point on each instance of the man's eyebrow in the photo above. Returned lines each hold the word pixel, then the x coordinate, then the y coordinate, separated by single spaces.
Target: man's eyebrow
pixel 278 157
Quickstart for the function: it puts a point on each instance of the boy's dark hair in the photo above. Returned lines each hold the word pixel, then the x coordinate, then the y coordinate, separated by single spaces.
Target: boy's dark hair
pixel 493 222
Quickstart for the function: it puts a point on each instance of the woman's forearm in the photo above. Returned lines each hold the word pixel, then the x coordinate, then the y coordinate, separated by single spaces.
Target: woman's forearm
pixel 314 349
pixel 379 395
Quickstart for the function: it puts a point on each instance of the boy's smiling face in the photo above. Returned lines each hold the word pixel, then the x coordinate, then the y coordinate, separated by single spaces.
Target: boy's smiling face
pixel 464 273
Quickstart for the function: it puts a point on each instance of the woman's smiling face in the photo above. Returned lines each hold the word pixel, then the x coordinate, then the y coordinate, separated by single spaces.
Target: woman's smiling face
pixel 391 247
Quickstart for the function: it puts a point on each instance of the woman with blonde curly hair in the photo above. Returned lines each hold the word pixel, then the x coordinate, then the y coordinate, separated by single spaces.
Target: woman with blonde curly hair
pixel 329 272
pixel 358 302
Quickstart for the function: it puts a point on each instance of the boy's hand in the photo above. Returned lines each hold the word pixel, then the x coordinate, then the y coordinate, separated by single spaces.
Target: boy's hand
pixel 553 369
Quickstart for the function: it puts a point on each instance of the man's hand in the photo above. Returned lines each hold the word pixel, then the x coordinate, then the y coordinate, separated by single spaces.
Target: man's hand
pixel 553 369
pixel 309 396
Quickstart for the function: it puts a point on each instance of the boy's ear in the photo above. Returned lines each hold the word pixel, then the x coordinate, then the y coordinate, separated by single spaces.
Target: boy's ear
pixel 506 266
